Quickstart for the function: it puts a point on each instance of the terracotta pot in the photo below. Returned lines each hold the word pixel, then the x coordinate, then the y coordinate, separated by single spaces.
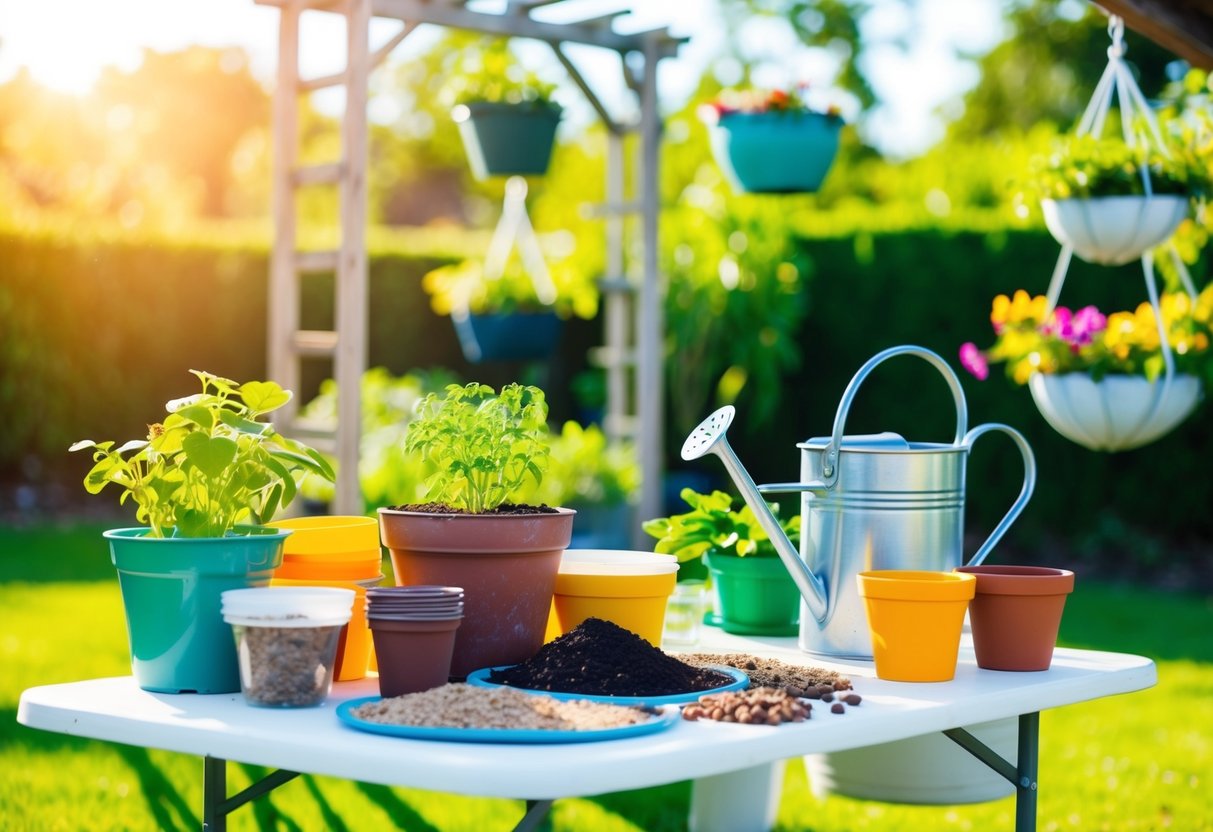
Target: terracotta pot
pixel 506 564
pixel 1016 613
pixel 413 655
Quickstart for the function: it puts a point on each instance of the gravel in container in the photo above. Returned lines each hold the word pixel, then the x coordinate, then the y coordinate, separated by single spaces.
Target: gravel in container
pixel 286 667
pixel 797 680
pixel 459 705
pixel 600 658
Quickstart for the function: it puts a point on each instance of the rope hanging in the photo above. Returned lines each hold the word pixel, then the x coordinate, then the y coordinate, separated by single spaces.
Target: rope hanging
pixel 1117 82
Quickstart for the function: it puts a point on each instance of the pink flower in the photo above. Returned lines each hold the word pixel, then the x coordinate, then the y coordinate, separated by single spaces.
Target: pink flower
pixel 974 360
pixel 1088 322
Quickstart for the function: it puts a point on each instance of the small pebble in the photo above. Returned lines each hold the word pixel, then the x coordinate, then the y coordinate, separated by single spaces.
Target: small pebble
pixel 827 697
pixel 852 699
pixel 837 708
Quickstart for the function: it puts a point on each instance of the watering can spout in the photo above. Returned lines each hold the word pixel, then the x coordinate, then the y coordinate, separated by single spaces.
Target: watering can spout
pixel 709 437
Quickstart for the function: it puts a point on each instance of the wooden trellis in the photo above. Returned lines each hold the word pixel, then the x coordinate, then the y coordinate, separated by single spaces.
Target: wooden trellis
pixel 633 297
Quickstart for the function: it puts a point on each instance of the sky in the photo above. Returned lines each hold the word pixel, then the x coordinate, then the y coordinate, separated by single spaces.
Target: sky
pixel 65 44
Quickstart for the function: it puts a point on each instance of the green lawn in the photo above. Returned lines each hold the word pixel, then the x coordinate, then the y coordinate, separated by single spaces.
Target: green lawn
pixel 1136 762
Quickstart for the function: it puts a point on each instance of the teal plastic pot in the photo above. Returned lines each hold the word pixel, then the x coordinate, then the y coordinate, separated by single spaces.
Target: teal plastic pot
pixel 778 152
pixel 757 595
pixel 504 139
pixel 170 591
pixel 515 336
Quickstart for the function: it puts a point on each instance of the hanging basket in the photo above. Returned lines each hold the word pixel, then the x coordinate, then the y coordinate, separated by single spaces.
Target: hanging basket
pixel 776 152
pixel 1116 413
pixel 516 336
pixel 1114 230
pixel 503 139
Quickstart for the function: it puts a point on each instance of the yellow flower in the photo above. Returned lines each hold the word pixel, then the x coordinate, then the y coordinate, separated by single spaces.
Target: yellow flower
pixel 1000 311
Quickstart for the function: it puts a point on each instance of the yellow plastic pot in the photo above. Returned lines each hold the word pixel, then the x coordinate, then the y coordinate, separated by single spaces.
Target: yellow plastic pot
pixel 915 619
pixel 329 535
pixel 634 602
pixel 354 647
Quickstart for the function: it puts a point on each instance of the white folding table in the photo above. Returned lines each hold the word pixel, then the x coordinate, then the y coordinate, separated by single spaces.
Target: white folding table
pixel 220 728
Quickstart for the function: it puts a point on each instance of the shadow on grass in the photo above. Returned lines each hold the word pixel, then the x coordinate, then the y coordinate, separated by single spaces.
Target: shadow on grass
pixel 401 813
pixel 51 553
pixel 267 813
pixel 163 798
pixel 656 808
pixel 1132 619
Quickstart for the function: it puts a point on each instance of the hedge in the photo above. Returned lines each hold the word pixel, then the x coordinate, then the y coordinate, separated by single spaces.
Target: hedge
pixel 95 335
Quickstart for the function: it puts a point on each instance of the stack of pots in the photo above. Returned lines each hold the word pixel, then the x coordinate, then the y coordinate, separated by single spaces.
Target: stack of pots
pixel 414 630
pixel 624 587
pixel 341 552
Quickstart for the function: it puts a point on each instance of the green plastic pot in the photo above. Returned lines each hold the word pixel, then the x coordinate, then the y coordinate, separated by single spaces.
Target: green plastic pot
pixel 170 591
pixel 503 139
pixel 757 595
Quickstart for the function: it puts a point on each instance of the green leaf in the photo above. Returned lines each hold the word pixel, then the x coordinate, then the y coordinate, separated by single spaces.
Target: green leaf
pixel 263 396
pixel 243 425
pixel 199 415
pixel 211 454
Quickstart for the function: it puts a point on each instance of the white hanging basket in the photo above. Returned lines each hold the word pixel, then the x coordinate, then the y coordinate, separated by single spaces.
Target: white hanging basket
pixel 1116 413
pixel 1114 230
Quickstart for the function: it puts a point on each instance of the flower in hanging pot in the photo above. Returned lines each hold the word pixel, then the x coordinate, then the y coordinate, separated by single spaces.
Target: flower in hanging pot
pixel 772 141
pixel 205 481
pixel 484 446
pixel 506 116
pixel 504 318
pixel 1112 202
pixel 756 594
pixel 1098 379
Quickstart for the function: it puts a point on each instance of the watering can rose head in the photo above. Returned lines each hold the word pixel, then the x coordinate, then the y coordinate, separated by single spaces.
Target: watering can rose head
pixel 1029 339
pixel 484 445
pixel 211 464
pixel 713 526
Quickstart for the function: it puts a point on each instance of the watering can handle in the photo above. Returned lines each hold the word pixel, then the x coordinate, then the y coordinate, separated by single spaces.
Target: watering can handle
pixel 829 467
pixel 1025 493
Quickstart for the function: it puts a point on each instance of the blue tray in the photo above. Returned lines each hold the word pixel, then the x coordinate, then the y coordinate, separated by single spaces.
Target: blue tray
pixel 480 678
pixel 659 722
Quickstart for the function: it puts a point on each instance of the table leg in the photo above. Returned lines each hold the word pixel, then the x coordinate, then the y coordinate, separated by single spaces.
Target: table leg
pixel 216 805
pixel 1022 776
pixel 536 810
pixel 1029 760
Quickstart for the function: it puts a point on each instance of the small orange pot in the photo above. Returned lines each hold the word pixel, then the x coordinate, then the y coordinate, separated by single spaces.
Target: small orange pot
pixel 915 619
pixel 325 535
pixel 354 647
pixel 1016 614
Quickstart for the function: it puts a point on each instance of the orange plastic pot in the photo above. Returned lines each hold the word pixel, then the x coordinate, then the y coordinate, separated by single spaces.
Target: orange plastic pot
pixel 354 646
pixel 1016 614
pixel 326 535
pixel 334 566
pixel 634 602
pixel 915 619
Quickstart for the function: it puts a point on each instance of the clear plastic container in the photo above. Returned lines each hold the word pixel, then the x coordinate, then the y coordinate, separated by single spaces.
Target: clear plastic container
pixel 286 642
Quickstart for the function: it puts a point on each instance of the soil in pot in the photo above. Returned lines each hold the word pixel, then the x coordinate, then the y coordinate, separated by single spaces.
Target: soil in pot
pixel 1016 614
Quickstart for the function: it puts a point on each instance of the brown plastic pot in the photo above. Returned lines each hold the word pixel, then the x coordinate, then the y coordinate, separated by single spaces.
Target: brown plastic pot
pixel 506 564
pixel 1016 613
pixel 413 655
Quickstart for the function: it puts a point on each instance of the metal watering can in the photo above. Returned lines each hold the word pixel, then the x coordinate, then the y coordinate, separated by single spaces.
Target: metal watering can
pixel 867 502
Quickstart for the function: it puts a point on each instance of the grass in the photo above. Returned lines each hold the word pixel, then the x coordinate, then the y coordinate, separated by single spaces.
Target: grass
pixel 1137 762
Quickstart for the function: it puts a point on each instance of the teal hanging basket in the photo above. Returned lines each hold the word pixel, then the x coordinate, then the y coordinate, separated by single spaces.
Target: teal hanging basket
pixel 776 152
pixel 515 336
pixel 508 139
pixel 170 591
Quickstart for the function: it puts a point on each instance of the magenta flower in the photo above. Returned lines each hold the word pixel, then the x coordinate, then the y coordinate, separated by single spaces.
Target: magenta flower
pixel 1088 322
pixel 974 360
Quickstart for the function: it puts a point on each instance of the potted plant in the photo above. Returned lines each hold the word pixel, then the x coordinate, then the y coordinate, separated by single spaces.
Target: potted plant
pixel 506 115
pixel 1111 202
pixel 484 446
pixel 756 594
pixel 503 318
pixel 1100 380
pixel 597 478
pixel 772 141
pixel 206 481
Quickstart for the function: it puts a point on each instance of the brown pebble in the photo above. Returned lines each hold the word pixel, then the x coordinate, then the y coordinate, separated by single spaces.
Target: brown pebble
pixel 827 697
pixel 837 708
pixel 852 699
